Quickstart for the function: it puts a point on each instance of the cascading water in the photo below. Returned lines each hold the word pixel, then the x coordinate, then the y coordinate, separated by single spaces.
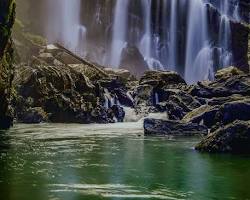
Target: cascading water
pixel 119 32
pixel 236 12
pixel 224 38
pixel 170 34
pixel 145 44
pixel 173 36
pixel 198 52
pixel 64 25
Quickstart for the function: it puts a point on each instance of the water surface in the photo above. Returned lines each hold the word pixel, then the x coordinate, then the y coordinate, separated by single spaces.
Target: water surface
pixel 78 162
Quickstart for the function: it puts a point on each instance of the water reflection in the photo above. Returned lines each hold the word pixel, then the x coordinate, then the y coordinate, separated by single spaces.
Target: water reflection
pixel 71 162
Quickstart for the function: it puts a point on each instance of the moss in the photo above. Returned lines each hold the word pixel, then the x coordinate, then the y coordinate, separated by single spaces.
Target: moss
pixel 7 16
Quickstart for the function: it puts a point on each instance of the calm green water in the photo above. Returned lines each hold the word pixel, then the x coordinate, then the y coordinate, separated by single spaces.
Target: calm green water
pixel 78 162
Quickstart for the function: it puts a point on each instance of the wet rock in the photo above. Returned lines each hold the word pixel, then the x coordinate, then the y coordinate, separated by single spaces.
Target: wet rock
pixel 222 100
pixel 101 115
pixel 144 95
pixel 66 94
pixel 203 115
pixel 121 73
pixel 223 88
pixel 91 71
pixel 117 88
pixel 56 55
pixel 69 91
pixel 233 138
pixel 173 110
pixel 154 92
pixel 161 79
pixel 111 83
pixel 175 128
pixel 220 115
pixel 67 58
pixel 124 98
pixel 173 101
pixel 33 116
pixel 119 113
pixel 228 72
pixel 229 112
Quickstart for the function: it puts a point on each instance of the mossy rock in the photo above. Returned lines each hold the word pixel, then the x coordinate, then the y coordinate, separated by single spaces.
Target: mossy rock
pixel 7 16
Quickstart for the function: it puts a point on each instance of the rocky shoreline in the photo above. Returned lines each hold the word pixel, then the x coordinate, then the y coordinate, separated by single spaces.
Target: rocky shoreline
pixel 222 106
pixel 58 86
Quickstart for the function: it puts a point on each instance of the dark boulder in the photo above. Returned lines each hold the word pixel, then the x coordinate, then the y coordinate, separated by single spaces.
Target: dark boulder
pixel 162 79
pixel 144 95
pixel 239 84
pixel 175 128
pixel 205 114
pixel 33 116
pixel 63 92
pixel 174 110
pixel 233 138
pixel 220 115
pixel 222 100
pixel 229 112
pixel 119 113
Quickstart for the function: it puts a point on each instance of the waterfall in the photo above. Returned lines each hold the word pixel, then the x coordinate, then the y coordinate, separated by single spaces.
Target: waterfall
pixel 170 34
pixel 81 49
pixel 109 99
pixel 145 44
pixel 224 38
pixel 198 52
pixel 119 32
pixel 173 36
pixel 64 25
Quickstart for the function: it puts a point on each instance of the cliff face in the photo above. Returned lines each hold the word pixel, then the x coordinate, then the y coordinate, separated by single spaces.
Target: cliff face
pixel 7 16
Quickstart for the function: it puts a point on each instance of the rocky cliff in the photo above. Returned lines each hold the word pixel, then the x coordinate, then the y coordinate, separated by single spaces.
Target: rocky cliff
pixel 7 16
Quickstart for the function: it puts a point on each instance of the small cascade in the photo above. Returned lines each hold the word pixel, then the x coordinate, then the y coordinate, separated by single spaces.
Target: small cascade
pixel 156 100
pixel 236 12
pixel 109 99
pixel 154 64
pixel 131 115
pixel 130 96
